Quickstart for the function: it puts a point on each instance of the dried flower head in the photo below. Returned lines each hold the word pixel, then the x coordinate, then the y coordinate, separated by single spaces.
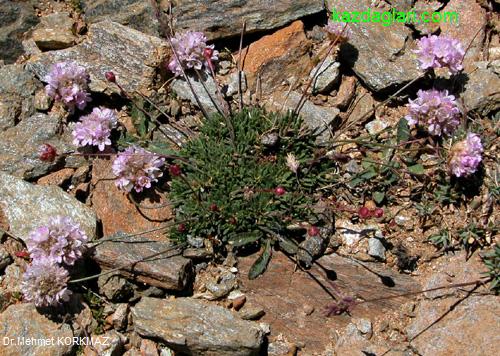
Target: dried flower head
pixel 61 241
pixel 465 156
pixel 47 152
pixel 440 52
pixel 94 129
pixel 68 82
pixel 292 163
pixel 137 168
pixel 340 30
pixel 192 51
pixel 435 110
pixel 45 283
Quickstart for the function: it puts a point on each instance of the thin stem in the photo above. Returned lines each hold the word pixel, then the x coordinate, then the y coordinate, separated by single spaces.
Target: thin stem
pixel 240 89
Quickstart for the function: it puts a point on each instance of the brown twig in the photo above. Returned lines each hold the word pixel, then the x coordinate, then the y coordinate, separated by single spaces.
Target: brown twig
pixel 240 61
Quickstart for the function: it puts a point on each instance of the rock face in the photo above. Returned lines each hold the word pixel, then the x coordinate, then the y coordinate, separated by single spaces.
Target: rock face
pixel 24 322
pixel 168 270
pixel 212 16
pixel 382 59
pixel 327 77
pixel 130 54
pixel 205 89
pixel 55 31
pixel 27 206
pixel 196 328
pixel 481 91
pixel 15 19
pixel 17 87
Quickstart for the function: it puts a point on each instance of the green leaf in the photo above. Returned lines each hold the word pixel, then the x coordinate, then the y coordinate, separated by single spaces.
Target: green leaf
pixel 245 238
pixel 287 245
pixel 261 262
pixel 417 169
pixel 403 133
pixel 378 197
pixel 369 174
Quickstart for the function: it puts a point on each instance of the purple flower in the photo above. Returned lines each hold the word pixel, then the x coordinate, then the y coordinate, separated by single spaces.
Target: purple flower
pixel 45 283
pixel 190 48
pixel 336 29
pixel 137 168
pixel 436 110
pixel 439 52
pixel 68 82
pixel 465 156
pixel 94 129
pixel 61 241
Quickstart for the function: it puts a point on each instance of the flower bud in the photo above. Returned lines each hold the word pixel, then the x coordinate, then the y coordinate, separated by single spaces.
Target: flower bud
pixel 47 153
pixel 364 212
pixel 279 191
pixel 110 77
pixel 313 231
pixel 175 170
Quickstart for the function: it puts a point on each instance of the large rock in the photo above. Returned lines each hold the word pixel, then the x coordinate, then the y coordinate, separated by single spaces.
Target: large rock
pixel 205 89
pixel 169 270
pixel 55 31
pixel 130 54
pixel 212 16
pixel 196 328
pixel 17 87
pixel 481 90
pixel 27 206
pixel 16 18
pixel 137 14
pixel 381 58
pixel 24 331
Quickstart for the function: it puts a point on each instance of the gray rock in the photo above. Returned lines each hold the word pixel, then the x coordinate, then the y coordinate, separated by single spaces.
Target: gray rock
pixel 115 287
pixel 120 316
pixel 376 248
pixel 137 14
pixel 17 87
pixel 42 100
pixel 108 344
pixel 196 328
pixel 15 19
pixel 328 75
pixel 375 126
pixel 130 54
pixel 208 97
pixel 12 279
pixel 382 59
pixel 232 87
pixel 212 17
pixel 25 322
pixel 313 247
pixel 481 92
pixel 55 31
pixel 27 206
pixel 5 259
pixel 168 270
pixel 364 326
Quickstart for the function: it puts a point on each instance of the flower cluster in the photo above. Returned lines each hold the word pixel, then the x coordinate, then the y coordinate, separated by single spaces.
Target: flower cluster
pixel 436 110
pixel 338 30
pixel 94 129
pixel 439 52
pixel 136 168
pixel 60 242
pixel 68 82
pixel 466 155
pixel 192 51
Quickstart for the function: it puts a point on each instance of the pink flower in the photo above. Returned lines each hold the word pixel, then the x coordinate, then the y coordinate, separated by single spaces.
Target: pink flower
pixel 466 156
pixel 193 52
pixel 436 110
pixel 439 52
pixel 94 129
pixel 137 168
pixel 68 82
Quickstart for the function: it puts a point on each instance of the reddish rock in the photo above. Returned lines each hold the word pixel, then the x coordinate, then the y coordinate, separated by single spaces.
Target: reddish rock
pixel 56 178
pixel 117 212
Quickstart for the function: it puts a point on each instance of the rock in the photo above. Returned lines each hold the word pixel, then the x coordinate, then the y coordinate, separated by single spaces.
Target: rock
pixel 352 234
pixel 197 328
pixel 251 313
pixel 346 92
pixel 402 5
pixel 168 270
pixel 232 87
pixel 481 92
pixel 197 253
pixel 376 249
pixel 381 59
pixel 421 6
pixel 210 100
pixel 17 87
pixel 149 348
pixel 328 75
pixel 136 14
pixel 22 322
pixel 130 54
pixel 351 339
pixel 215 282
pixel 27 206
pixel 5 259
pixel 313 247
pixel 108 344
pixel 42 100
pixel 318 118
pixel 15 19
pixel 120 317
pixel 115 288
pixel 115 210
pixel 12 279
pixel 364 326
pixel 212 17
pixel 57 178
pixel 376 126
pixel 55 31
pixel 278 59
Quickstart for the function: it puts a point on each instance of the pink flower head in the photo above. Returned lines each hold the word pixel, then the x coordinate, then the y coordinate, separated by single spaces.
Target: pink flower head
pixel 45 283
pixel 193 52
pixel 61 241
pixel 439 52
pixel 336 30
pixel 137 168
pixel 465 156
pixel 94 129
pixel 68 82
pixel 436 110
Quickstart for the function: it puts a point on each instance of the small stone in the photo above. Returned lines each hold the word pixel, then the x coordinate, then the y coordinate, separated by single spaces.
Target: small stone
pixel 251 313
pixel 346 92
pixel 364 326
pixel 165 351
pixel 327 76
pixel 175 108
pixel 57 178
pixel 353 167
pixel 120 317
pixel 115 288
pixel 376 249
pixel 232 87
pixel 270 139
pixel 235 294
pixel 42 100
pixel 197 253
pixel 5 258
pixel 55 31
pixel 308 309
pixel 108 344
pixel 149 348
pixel 12 279
pixel 376 126
pixel 239 302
